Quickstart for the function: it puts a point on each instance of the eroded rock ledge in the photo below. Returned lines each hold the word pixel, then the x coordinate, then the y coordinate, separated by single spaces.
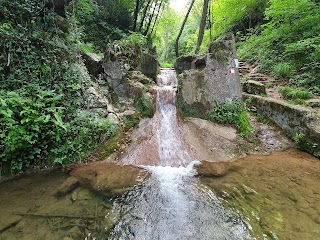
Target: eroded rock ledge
pixel 300 123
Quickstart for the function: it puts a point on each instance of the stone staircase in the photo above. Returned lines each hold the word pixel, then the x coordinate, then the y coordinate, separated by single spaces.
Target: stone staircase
pixel 248 72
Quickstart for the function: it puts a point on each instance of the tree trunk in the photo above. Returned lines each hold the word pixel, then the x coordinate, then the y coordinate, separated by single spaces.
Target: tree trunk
pixel 166 45
pixel 144 15
pixel 150 19
pixel 202 24
pixel 155 21
pixel 136 13
pixel 182 27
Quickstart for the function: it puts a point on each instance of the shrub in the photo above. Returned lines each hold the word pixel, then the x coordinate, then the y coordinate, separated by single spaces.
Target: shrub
pixel 144 106
pixel 292 94
pixel 235 113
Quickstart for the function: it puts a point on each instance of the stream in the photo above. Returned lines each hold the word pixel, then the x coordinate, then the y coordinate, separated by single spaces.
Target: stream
pixel 274 196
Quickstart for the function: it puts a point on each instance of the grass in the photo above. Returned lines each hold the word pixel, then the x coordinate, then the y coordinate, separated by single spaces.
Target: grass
pixel 166 65
pixel 283 70
pixel 295 96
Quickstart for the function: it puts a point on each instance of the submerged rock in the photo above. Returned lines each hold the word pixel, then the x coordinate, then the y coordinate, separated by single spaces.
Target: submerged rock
pixel 67 186
pixel 109 180
pixel 212 169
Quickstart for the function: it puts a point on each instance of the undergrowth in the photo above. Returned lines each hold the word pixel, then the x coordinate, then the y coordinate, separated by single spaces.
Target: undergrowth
pixel 295 96
pixel 144 107
pixel 43 80
pixel 235 113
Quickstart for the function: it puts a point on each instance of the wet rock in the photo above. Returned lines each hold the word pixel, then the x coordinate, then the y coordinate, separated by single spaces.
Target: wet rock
pixel 67 186
pixel 298 121
pixel 109 180
pixel 212 169
pixel 254 87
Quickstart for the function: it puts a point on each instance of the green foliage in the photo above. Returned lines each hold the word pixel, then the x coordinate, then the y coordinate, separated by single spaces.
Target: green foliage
pixel 282 70
pixel 270 85
pixel 186 110
pixel 166 65
pixel 226 18
pixel 295 95
pixel 144 107
pixel 130 121
pixel 235 113
pixel 42 80
pixel 134 39
pixel 289 37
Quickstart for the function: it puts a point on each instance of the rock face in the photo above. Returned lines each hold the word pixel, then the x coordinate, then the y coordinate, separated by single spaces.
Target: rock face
pixel 211 78
pixel 93 63
pixel 109 180
pixel 301 123
pixel 254 87
pixel 149 66
pixel 128 76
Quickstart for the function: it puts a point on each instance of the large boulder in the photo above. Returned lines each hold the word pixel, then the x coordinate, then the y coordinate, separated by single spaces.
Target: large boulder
pixel 110 180
pixel 211 78
pixel 123 74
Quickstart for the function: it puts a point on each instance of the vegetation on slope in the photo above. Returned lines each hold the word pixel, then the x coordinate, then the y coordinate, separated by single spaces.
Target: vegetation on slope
pixel 43 115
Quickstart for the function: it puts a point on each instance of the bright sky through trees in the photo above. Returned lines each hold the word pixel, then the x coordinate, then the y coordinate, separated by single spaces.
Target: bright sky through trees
pixel 178 5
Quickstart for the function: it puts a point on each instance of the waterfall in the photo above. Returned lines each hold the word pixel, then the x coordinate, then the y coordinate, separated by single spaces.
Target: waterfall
pixel 171 205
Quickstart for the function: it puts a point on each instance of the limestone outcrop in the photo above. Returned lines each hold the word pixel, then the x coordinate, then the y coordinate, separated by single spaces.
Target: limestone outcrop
pixel 211 78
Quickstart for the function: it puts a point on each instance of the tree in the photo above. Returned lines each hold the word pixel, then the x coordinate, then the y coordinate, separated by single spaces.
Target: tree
pixel 136 13
pixel 202 24
pixel 182 27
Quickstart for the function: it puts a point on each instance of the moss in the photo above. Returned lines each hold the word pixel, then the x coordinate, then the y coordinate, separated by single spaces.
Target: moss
pixel 111 146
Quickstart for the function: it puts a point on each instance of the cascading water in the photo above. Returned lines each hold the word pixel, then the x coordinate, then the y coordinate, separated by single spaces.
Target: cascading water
pixel 171 205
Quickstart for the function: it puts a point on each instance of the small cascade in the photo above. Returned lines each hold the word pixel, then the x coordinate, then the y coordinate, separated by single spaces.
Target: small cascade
pixel 165 146
pixel 171 205
pixel 170 145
